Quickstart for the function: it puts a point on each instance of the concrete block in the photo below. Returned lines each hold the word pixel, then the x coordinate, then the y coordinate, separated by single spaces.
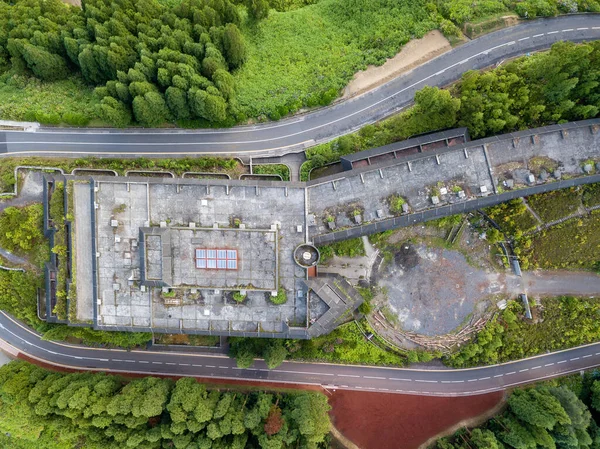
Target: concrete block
pixel 435 200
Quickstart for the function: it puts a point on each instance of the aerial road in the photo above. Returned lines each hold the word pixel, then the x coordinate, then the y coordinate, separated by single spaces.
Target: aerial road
pixel 297 133
pixel 331 376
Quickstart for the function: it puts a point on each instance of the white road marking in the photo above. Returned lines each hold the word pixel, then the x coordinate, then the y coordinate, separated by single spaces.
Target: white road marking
pixel 512 372
pixel 562 361
pixel 157 363
pixel 523 370
pixel 427 381
pixel 581 29
pixel 586 356
pixel 483 378
pixel 347 375
pixel 184 364
pixel 538 35
pixel 574 358
pixel 210 366
pixel 373 377
pixel 549 364
pixel 498 375
pixel 143 361
pixel 223 367
pixel 170 363
pixel 400 379
pixel 472 380
pixel 536 367
pixel 524 39
pixel 551 32
pixel 199 366
pixel 568 29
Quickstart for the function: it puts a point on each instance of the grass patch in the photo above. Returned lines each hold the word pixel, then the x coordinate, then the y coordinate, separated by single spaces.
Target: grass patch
pixel 177 166
pixel 572 244
pixel 346 248
pixel 554 205
pixel 306 56
pixel 509 337
pixel 272 169
pixel 65 102
pixel 591 195
pixel 513 217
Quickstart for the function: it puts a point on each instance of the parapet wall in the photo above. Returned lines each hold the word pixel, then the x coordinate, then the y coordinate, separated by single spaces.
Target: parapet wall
pixel 452 179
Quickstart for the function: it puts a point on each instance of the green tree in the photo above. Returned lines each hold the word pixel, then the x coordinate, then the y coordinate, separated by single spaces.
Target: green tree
pixel 114 112
pixel 275 353
pixel 234 46
pixel 257 9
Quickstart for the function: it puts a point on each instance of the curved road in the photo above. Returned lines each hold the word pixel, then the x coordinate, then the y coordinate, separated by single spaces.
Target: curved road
pixel 399 380
pixel 298 133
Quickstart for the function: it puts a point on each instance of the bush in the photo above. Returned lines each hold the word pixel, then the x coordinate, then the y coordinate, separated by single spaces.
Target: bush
pixel 396 203
pixel 280 298
pixel 238 297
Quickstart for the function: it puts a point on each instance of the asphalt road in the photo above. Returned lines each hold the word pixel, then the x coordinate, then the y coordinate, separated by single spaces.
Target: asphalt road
pixel 398 380
pixel 298 133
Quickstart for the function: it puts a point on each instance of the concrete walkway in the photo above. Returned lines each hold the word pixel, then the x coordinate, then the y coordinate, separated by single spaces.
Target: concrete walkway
pixel 557 283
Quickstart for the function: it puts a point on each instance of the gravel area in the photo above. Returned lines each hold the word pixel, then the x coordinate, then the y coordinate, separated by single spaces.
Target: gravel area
pixel 434 290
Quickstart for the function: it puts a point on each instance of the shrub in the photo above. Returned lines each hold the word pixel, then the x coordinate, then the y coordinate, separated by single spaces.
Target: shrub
pixel 396 203
pixel 238 297
pixel 280 298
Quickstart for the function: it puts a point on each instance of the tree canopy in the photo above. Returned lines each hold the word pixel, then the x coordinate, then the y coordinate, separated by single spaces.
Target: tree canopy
pixel 135 50
pixel 100 411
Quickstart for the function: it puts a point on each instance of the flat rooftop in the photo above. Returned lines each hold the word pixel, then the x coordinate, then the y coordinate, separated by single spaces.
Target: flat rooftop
pixel 229 259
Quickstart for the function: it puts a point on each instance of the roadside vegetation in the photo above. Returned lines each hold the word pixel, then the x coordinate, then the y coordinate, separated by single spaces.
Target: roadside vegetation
pixel 555 414
pixel 558 85
pixel 205 164
pixel 346 344
pixel 568 244
pixel 510 337
pixel 198 63
pixel 21 233
pixel 52 410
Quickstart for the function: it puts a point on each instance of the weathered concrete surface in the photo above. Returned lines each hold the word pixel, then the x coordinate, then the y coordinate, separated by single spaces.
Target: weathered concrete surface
pixel 82 241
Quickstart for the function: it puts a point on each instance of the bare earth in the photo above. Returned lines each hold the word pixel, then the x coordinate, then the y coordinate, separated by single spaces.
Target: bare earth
pixel 415 53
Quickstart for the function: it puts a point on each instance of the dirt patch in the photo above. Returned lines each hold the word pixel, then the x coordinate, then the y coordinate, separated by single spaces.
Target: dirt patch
pixel 433 290
pixel 415 53
pixel 397 421
pixel 73 2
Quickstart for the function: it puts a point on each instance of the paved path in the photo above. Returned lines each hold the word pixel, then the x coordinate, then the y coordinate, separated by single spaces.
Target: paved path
pixel 557 283
pixel 297 133
pixel 410 381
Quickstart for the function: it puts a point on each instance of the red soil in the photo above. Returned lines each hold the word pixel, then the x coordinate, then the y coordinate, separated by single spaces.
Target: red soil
pixel 398 421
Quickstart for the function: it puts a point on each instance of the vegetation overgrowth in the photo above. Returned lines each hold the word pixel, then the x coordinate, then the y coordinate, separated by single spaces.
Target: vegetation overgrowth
pixel 21 232
pixel 562 84
pixel 569 244
pixel 209 62
pixel 345 248
pixel 177 166
pixel 52 410
pixel 544 416
pixel 345 344
pixel 510 337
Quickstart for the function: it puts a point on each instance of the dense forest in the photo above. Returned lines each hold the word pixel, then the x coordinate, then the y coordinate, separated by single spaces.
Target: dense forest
pixel 551 417
pixel 46 410
pixel 153 63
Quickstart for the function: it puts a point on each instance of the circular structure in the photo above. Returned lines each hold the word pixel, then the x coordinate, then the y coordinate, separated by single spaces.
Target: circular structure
pixel 306 255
